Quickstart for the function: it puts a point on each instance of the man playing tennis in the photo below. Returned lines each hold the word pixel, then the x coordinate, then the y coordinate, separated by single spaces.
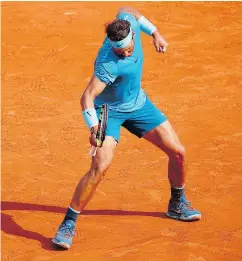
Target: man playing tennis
pixel 117 82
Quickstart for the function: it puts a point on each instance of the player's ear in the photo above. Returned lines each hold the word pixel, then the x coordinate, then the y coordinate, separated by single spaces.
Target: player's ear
pixel 133 35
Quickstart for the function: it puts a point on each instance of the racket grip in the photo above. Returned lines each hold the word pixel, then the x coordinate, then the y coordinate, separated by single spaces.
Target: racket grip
pixel 93 151
pixel 164 49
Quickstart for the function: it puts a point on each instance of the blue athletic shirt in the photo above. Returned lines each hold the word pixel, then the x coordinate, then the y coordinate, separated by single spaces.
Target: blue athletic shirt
pixel 122 76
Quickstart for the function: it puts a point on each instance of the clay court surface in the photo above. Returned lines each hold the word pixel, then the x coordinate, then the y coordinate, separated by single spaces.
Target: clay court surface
pixel 48 49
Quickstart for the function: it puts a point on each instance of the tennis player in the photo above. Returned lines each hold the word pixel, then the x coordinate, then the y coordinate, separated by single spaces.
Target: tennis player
pixel 117 82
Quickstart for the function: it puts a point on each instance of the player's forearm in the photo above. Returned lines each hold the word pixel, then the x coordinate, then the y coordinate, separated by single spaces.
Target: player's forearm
pixel 129 10
pixel 88 110
pixel 145 25
pixel 156 35
pixel 87 100
pixel 93 89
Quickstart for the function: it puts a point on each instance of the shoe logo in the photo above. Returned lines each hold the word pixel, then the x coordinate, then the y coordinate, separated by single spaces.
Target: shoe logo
pixel 88 113
pixel 177 210
pixel 136 60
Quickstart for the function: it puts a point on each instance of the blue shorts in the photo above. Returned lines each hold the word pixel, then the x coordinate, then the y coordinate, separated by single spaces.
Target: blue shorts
pixel 137 122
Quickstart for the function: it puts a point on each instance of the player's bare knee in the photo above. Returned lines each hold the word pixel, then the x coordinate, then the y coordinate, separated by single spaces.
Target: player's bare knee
pixel 98 170
pixel 94 175
pixel 178 154
pixel 182 151
pixel 102 167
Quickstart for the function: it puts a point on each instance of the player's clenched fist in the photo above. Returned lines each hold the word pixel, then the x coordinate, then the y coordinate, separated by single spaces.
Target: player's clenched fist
pixel 159 42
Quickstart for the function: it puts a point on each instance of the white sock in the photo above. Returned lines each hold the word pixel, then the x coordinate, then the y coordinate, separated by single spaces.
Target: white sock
pixel 78 212
pixel 179 188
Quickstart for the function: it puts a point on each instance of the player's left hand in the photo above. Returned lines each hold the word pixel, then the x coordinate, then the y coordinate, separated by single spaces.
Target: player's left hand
pixel 159 42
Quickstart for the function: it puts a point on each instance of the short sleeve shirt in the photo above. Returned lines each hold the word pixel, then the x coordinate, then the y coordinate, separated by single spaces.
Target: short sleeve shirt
pixel 122 76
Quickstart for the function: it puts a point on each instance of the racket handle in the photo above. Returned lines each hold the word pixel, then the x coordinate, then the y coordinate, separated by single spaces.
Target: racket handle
pixel 93 151
pixel 164 49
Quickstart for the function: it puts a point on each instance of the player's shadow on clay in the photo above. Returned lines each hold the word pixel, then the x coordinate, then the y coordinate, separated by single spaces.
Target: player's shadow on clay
pixel 10 227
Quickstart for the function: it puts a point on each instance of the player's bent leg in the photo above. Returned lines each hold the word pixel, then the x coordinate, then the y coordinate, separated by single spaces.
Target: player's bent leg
pixel 88 183
pixel 165 138
pixel 84 191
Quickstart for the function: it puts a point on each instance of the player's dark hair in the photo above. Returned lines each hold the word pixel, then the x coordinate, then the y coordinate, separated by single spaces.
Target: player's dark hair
pixel 117 30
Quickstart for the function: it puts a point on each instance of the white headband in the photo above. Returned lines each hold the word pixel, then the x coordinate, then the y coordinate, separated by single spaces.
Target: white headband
pixel 122 43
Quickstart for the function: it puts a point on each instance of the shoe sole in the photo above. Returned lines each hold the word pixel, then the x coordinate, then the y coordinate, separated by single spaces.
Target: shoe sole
pixel 195 217
pixel 61 244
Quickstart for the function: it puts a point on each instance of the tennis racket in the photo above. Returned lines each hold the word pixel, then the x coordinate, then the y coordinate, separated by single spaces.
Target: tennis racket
pixel 101 131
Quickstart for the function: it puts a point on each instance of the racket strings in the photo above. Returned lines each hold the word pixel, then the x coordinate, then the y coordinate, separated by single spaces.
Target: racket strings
pixel 102 124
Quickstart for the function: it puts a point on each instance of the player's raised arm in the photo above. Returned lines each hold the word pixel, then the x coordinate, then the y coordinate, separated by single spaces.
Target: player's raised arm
pixel 129 10
pixel 147 27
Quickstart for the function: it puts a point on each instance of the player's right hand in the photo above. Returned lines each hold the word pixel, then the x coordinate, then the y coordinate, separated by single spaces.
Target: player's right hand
pixel 92 138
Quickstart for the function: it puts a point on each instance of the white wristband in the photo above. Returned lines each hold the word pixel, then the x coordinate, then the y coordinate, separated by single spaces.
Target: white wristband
pixel 146 26
pixel 90 117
